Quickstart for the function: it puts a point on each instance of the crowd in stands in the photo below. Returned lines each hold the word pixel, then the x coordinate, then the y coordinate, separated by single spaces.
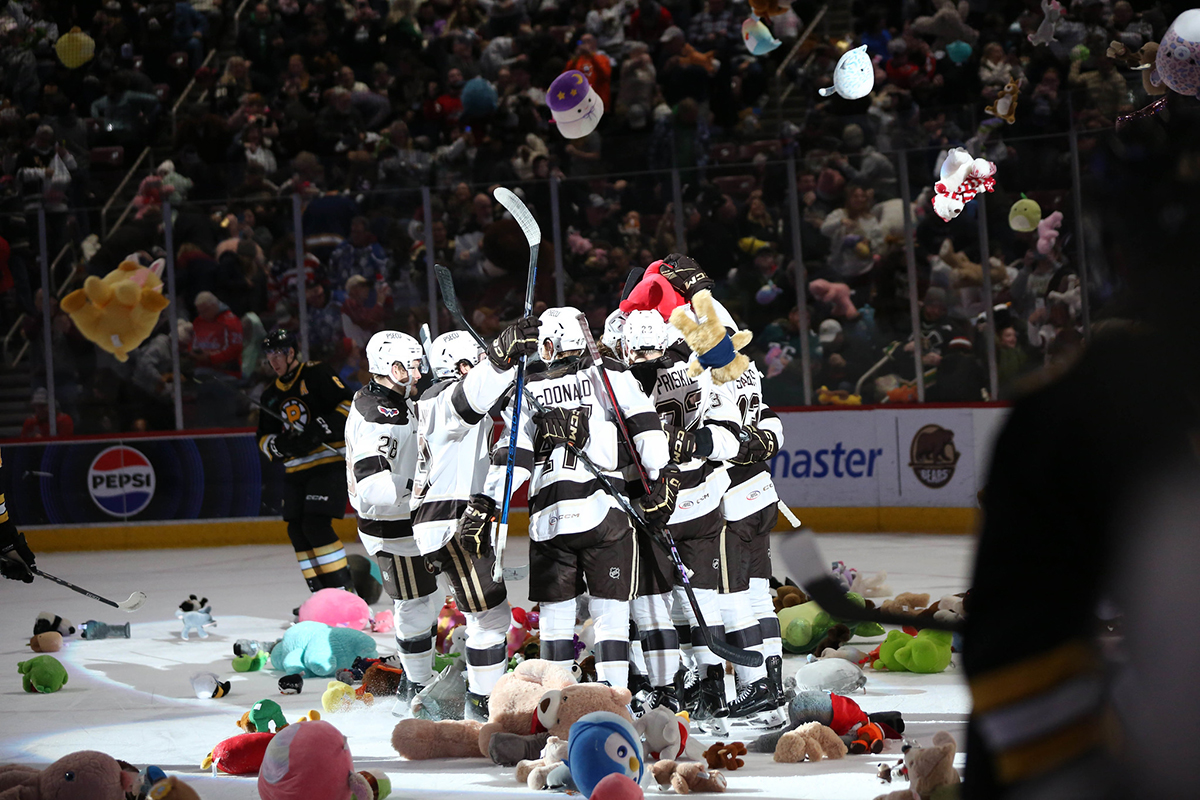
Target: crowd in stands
pixel 354 107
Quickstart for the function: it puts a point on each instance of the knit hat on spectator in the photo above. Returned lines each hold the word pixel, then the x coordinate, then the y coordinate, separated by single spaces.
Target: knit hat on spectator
pixel 960 343
pixel 573 102
pixel 828 331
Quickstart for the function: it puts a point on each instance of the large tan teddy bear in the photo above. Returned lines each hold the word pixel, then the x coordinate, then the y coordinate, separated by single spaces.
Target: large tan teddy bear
pixel 537 700
pixel 931 772
pixel 117 312
pixel 812 741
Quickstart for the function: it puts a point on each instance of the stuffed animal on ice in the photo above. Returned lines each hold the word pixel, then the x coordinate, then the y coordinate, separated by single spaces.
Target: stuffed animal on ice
pixel 196 622
pixel 830 675
pixel 340 696
pixel 600 744
pixel 962 177
pixel 549 770
pixel 757 36
pixel 318 651
pixel 536 700
pixel 809 742
pixel 48 642
pixel 42 674
pixel 336 608
pixel 854 75
pixel 947 25
pixel 930 770
pixel 927 652
pixel 667 735
pixel 687 777
pixel 52 623
pixel 312 759
pixel 804 626
pixel 1052 14
pixel 117 312
pixel 1005 104
pixel 208 686
pixel 1048 232
pixel 238 755
pixel 1175 64
pixel 83 775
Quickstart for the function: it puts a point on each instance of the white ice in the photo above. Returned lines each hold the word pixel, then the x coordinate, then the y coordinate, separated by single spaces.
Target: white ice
pixel 132 698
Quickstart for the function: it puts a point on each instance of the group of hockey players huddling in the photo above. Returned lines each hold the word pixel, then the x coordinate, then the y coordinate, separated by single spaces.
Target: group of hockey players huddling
pixel 427 482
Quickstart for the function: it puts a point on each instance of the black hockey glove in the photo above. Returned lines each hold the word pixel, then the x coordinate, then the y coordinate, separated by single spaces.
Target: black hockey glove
pixel 518 339
pixel 475 525
pixel 685 445
pixel 567 427
pixel 685 275
pixel 659 505
pixel 16 558
pixel 757 445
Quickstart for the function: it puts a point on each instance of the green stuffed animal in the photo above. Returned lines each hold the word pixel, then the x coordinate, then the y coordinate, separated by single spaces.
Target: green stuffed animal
pixel 804 626
pixel 927 652
pixel 251 663
pixel 264 713
pixel 42 674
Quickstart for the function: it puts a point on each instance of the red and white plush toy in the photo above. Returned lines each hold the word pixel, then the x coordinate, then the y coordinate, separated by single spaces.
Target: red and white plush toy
pixel 962 177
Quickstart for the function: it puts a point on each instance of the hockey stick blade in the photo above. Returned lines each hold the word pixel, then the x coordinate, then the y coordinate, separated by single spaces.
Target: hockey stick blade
pixel 792 519
pixel 804 561
pixel 135 601
pixel 529 226
pixel 426 342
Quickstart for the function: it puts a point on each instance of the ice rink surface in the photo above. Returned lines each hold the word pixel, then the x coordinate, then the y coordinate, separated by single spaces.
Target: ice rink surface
pixel 132 698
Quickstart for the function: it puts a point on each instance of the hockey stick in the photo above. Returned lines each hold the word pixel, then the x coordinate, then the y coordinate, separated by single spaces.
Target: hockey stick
pixel 803 559
pixel 787 512
pixel 533 235
pixel 134 602
pixel 426 341
pixel 259 406
pixel 746 658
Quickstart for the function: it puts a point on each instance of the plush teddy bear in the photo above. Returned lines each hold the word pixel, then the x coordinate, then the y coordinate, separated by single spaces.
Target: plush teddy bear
pixel 947 25
pixel 907 603
pixel 720 754
pixel 116 313
pixel 667 736
pixel 704 331
pixel 84 775
pixel 42 674
pixel 535 773
pixel 687 777
pixel 966 273
pixel 518 706
pixel 811 741
pixel 788 595
pixel 931 772
pixel 1005 105
pixel 871 585
pixel 319 651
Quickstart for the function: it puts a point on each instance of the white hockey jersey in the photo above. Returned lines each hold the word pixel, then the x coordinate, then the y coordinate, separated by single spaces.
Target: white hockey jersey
pixel 381 457
pixel 750 486
pixel 564 497
pixel 694 403
pixel 454 439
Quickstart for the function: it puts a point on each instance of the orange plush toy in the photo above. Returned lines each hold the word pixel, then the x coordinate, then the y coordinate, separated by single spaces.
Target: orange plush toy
pixel 118 312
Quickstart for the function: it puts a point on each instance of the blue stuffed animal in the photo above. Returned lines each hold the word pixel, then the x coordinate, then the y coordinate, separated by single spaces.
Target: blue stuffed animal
pixel 599 744
pixel 318 651
pixel 196 621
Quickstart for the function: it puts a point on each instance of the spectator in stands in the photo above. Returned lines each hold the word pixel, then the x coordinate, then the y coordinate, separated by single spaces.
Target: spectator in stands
pixel 855 236
pixel 960 376
pixel 366 309
pixel 359 254
pixel 648 22
pixel 1106 88
pixel 258 151
pixel 635 93
pixel 605 22
pixel 44 169
pixel 360 46
pixel 936 331
pixel 126 116
pixel 191 29
pixel 874 170
pixel 715 28
pixel 595 65
pixel 996 70
pixel 37 424
pixel 216 337
pixel 260 40
pixel 1011 359
pixel 1131 29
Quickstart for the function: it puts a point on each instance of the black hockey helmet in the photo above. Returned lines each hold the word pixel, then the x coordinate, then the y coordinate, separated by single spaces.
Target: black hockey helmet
pixel 279 340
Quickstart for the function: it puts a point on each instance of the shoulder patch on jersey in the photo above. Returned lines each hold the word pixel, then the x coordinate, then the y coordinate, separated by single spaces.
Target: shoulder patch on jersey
pixel 388 412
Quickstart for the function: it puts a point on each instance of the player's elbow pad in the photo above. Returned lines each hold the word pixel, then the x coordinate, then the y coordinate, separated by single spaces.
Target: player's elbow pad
pixel 653 448
pixel 602 447
pixel 377 490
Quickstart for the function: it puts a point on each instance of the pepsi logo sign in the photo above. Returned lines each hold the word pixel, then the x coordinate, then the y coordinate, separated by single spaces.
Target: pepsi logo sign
pixel 121 481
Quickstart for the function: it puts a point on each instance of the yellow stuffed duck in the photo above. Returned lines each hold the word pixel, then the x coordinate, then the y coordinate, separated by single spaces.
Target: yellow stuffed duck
pixel 117 312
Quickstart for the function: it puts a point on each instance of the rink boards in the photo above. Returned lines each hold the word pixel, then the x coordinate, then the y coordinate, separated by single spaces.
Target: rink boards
pixel 857 469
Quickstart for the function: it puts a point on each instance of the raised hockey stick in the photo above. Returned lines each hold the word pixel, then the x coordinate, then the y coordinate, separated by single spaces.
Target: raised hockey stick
pixel 134 602
pixel 746 658
pixel 803 559
pixel 787 512
pixel 533 235
pixel 426 341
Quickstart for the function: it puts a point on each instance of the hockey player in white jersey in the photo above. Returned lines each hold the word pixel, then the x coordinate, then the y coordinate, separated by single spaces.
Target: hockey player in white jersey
pixel 750 514
pixel 702 424
pixel 452 517
pixel 381 456
pixel 580 539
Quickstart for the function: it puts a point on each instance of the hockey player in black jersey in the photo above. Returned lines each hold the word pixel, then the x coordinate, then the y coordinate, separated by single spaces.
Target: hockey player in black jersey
pixel 701 424
pixel 15 556
pixel 381 459
pixel 314 403
pixel 452 517
pixel 580 539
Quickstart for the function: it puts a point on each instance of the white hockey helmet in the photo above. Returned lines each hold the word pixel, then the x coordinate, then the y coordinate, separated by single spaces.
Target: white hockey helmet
pixel 613 326
pixel 645 331
pixel 447 351
pixel 388 347
pixel 559 327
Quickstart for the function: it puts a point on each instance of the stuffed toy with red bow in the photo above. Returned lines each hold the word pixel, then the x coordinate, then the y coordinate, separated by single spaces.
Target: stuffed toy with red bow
pixel 962 177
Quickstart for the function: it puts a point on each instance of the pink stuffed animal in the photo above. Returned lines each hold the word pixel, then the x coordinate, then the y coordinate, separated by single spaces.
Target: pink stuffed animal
pixel 836 294
pixel 310 760
pixel 1048 232
pixel 94 776
pixel 519 628
pixel 448 619
pixel 337 608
